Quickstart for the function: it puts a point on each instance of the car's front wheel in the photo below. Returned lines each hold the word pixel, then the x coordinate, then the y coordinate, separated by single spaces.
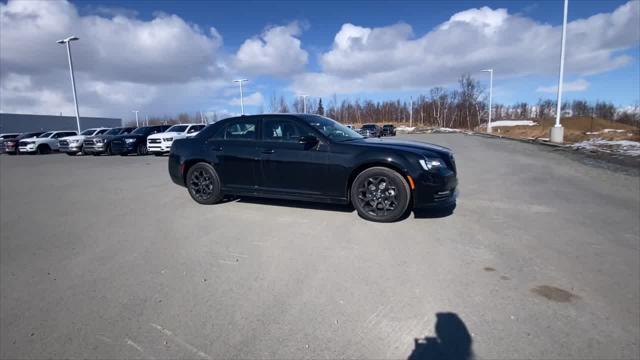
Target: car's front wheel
pixel 380 194
pixel 142 150
pixel 203 184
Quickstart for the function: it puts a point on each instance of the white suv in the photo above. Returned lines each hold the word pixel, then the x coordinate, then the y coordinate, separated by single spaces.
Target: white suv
pixel 159 144
pixel 44 143
pixel 72 145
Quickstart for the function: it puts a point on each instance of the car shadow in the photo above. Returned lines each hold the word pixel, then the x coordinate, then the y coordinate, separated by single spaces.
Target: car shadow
pixel 435 212
pixel 292 204
pixel 452 341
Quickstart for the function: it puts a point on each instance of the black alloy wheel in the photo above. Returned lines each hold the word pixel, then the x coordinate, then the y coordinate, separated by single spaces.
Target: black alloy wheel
pixel 380 194
pixel 203 184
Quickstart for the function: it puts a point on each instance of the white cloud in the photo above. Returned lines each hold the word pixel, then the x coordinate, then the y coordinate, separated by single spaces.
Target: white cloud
pixel 255 99
pixel 277 51
pixel 572 86
pixel 164 64
pixel 392 58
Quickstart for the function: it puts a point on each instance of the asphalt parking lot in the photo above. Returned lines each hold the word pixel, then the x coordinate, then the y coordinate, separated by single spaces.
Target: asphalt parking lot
pixel 104 257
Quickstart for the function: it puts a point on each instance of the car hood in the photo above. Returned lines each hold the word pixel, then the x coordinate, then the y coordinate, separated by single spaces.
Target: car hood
pixel 165 134
pixel 414 146
pixel 75 137
pixel 130 136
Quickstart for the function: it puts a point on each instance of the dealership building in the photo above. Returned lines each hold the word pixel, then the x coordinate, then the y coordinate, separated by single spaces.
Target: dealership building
pixel 18 123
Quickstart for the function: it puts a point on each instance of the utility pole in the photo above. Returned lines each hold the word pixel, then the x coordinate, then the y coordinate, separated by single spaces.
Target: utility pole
pixel 136 111
pixel 304 102
pixel 490 71
pixel 556 133
pixel 240 81
pixel 68 41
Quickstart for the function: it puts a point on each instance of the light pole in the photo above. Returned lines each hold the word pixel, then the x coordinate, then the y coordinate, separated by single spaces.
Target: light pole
pixel 73 80
pixel 556 134
pixel 490 71
pixel 136 112
pixel 240 81
pixel 304 102
pixel 411 112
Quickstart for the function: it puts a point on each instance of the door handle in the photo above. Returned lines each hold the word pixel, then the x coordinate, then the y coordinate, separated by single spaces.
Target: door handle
pixel 216 148
pixel 268 151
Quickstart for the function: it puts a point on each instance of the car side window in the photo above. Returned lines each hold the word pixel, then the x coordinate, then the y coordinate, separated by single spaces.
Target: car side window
pixel 241 129
pixel 283 130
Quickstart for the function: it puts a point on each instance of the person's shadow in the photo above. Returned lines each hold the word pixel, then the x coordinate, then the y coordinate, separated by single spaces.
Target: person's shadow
pixel 452 341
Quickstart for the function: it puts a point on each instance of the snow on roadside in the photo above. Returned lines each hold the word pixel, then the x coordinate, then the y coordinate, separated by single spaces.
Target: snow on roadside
pixel 625 147
pixel 504 123
pixel 405 128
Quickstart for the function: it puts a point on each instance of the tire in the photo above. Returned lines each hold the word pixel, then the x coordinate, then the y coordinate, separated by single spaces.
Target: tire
pixel 380 194
pixel 142 150
pixel 108 150
pixel 43 149
pixel 204 184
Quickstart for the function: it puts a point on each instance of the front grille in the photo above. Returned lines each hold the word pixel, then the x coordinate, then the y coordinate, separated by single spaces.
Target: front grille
pixel 155 141
pixel 89 142
pixel 442 195
pixel 63 143
pixel 22 143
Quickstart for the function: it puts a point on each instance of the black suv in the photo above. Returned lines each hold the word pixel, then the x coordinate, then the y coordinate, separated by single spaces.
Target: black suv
pixel 136 141
pixel 371 130
pixel 388 130
pixel 313 158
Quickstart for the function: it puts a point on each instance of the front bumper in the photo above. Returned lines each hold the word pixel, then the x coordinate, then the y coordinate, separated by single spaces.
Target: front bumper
pixel 119 147
pixel 27 148
pixel 72 148
pixel 163 147
pixel 435 188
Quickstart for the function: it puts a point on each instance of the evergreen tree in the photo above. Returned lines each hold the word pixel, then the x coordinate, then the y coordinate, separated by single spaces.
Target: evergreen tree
pixel 320 110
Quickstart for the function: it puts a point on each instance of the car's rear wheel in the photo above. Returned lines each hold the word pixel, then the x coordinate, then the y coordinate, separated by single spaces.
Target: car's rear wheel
pixel 203 184
pixel 380 194
pixel 142 149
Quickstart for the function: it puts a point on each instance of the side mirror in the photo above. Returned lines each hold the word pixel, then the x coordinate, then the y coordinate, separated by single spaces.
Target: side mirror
pixel 308 139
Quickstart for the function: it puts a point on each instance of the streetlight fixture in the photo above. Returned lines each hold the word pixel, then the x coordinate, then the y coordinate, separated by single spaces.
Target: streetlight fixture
pixel 490 71
pixel 556 134
pixel 68 41
pixel 136 111
pixel 304 102
pixel 240 81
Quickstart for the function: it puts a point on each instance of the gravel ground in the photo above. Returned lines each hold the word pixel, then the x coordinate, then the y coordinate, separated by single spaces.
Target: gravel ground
pixel 103 257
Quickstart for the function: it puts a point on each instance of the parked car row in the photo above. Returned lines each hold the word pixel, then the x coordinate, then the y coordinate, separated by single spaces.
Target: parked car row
pixel 373 130
pixel 97 141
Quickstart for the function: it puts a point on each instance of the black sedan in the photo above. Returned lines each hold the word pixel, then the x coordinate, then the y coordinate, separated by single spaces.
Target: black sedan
pixel 136 141
pixel 314 158
pixel 371 130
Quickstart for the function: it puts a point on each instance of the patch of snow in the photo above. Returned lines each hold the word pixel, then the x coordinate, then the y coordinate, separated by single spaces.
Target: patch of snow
pixel 405 128
pixel 503 123
pixel 444 129
pixel 625 147
pixel 613 130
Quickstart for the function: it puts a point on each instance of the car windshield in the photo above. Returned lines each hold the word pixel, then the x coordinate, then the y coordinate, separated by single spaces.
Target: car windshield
pixel 88 132
pixel 177 128
pixel 368 127
pixel 46 135
pixel 115 131
pixel 331 128
pixel 388 126
pixel 142 130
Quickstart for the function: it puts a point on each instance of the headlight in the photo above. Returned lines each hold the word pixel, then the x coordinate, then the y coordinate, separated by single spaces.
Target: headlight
pixel 74 141
pixel 167 139
pixel 98 141
pixel 30 142
pixel 429 164
pixel 129 141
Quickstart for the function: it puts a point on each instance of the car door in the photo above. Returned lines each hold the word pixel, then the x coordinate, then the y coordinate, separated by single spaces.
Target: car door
pixel 288 165
pixel 233 153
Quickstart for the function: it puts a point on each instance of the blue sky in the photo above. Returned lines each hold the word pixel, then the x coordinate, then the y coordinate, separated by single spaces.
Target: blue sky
pixel 390 49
